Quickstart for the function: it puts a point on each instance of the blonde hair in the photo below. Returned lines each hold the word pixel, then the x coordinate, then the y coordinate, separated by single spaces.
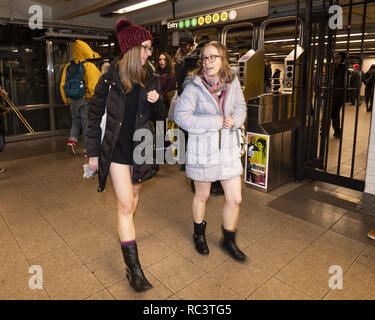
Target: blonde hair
pixel 131 70
pixel 226 71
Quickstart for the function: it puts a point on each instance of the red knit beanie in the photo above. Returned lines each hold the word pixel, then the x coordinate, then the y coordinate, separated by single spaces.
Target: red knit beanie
pixel 130 35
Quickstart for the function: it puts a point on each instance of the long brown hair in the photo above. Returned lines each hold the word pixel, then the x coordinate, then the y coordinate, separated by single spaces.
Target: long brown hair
pixel 225 71
pixel 168 64
pixel 131 70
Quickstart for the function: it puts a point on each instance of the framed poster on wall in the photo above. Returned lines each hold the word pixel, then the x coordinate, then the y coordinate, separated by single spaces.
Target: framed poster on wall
pixel 257 154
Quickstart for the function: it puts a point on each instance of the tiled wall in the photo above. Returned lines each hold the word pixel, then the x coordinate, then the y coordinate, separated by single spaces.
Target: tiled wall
pixel 370 172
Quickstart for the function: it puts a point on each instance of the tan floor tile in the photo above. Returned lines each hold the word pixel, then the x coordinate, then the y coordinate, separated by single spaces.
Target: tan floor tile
pixel 28 294
pixel 14 279
pixel 332 249
pixel 79 230
pixel 294 235
pixel 25 214
pixel 11 253
pixel 36 237
pixel 102 295
pixel 350 292
pixel 256 226
pixel 174 297
pixel 175 272
pixel 305 278
pixel 5 234
pixel 57 262
pixel 151 250
pixel 367 258
pixel 268 259
pixel 208 288
pixel 123 291
pixel 94 247
pixel 77 284
pixel 14 201
pixel 109 269
pixel 275 289
pixel 176 237
pixel 361 276
pixel 60 217
pixel 243 278
pixel 205 262
pixel 152 223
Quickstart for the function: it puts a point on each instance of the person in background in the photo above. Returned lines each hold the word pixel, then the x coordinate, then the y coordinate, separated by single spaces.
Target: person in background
pixel 338 97
pixel 369 81
pixel 355 82
pixel 128 92
pixel 72 80
pixel 3 93
pixel 104 68
pixel 267 76
pixel 167 82
pixel 212 108
pixel 186 47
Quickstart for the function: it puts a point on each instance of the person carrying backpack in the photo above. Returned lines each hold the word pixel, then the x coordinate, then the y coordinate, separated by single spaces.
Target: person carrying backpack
pixel 78 82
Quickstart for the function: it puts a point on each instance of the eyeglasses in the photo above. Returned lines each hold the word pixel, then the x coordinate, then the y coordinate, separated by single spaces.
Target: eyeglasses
pixel 210 58
pixel 146 48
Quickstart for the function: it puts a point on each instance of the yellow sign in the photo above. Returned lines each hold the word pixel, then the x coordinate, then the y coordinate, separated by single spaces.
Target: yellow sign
pixel 215 17
pixel 208 19
pixel 224 16
pixel 200 20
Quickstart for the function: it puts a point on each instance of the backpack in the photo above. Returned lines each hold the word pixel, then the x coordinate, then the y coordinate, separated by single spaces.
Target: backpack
pixel 74 87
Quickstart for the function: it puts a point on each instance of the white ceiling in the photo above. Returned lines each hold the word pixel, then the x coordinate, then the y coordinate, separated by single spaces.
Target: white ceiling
pixel 86 13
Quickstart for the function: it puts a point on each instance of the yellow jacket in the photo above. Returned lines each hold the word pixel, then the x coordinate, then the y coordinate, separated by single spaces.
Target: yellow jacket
pixel 81 52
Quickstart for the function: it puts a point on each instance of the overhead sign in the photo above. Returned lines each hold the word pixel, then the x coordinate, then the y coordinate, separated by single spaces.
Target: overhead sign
pixel 255 9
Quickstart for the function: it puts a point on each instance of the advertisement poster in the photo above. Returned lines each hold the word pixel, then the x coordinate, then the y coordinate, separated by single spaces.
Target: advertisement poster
pixel 257 159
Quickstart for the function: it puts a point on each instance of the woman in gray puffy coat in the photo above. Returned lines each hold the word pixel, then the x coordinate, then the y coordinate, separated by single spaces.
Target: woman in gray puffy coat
pixel 212 109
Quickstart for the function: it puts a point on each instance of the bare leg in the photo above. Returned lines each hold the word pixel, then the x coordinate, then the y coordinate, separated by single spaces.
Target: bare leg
pixel 233 198
pixel 202 193
pixel 127 198
pixel 232 191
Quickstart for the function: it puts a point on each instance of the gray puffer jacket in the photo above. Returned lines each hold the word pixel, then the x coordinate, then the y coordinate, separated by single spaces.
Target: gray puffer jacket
pixel 213 153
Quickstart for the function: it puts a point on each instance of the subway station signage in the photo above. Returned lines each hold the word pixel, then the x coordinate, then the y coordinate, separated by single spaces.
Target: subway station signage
pixel 253 9
pixel 204 20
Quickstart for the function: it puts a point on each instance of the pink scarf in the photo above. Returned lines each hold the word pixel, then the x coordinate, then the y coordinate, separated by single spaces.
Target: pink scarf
pixel 218 90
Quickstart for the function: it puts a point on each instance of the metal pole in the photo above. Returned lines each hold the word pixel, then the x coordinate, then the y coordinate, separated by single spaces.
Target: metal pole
pixel 51 84
pixel 359 91
pixel 304 101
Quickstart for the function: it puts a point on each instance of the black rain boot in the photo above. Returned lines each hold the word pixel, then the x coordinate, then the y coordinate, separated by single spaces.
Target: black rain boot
pixel 134 271
pixel 229 244
pixel 200 238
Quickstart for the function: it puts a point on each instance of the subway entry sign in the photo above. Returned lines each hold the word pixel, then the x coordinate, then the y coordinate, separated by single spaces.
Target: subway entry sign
pixel 203 20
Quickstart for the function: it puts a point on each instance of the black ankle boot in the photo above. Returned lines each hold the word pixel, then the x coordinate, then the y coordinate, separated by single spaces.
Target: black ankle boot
pixel 229 244
pixel 134 271
pixel 200 238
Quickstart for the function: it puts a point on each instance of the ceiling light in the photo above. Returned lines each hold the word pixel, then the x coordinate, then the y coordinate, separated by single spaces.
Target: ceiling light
pixel 138 5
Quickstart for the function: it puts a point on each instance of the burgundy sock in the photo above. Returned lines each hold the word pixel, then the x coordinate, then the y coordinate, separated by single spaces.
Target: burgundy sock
pixel 127 243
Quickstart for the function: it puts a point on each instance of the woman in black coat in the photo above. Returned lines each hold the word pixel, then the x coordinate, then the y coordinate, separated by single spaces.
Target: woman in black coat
pixel 128 93
pixel 369 81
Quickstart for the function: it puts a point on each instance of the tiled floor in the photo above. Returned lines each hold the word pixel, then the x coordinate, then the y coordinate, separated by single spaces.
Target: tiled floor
pixel 52 217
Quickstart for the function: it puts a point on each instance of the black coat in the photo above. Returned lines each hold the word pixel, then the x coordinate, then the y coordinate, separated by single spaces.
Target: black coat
pixel 369 81
pixel 115 102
